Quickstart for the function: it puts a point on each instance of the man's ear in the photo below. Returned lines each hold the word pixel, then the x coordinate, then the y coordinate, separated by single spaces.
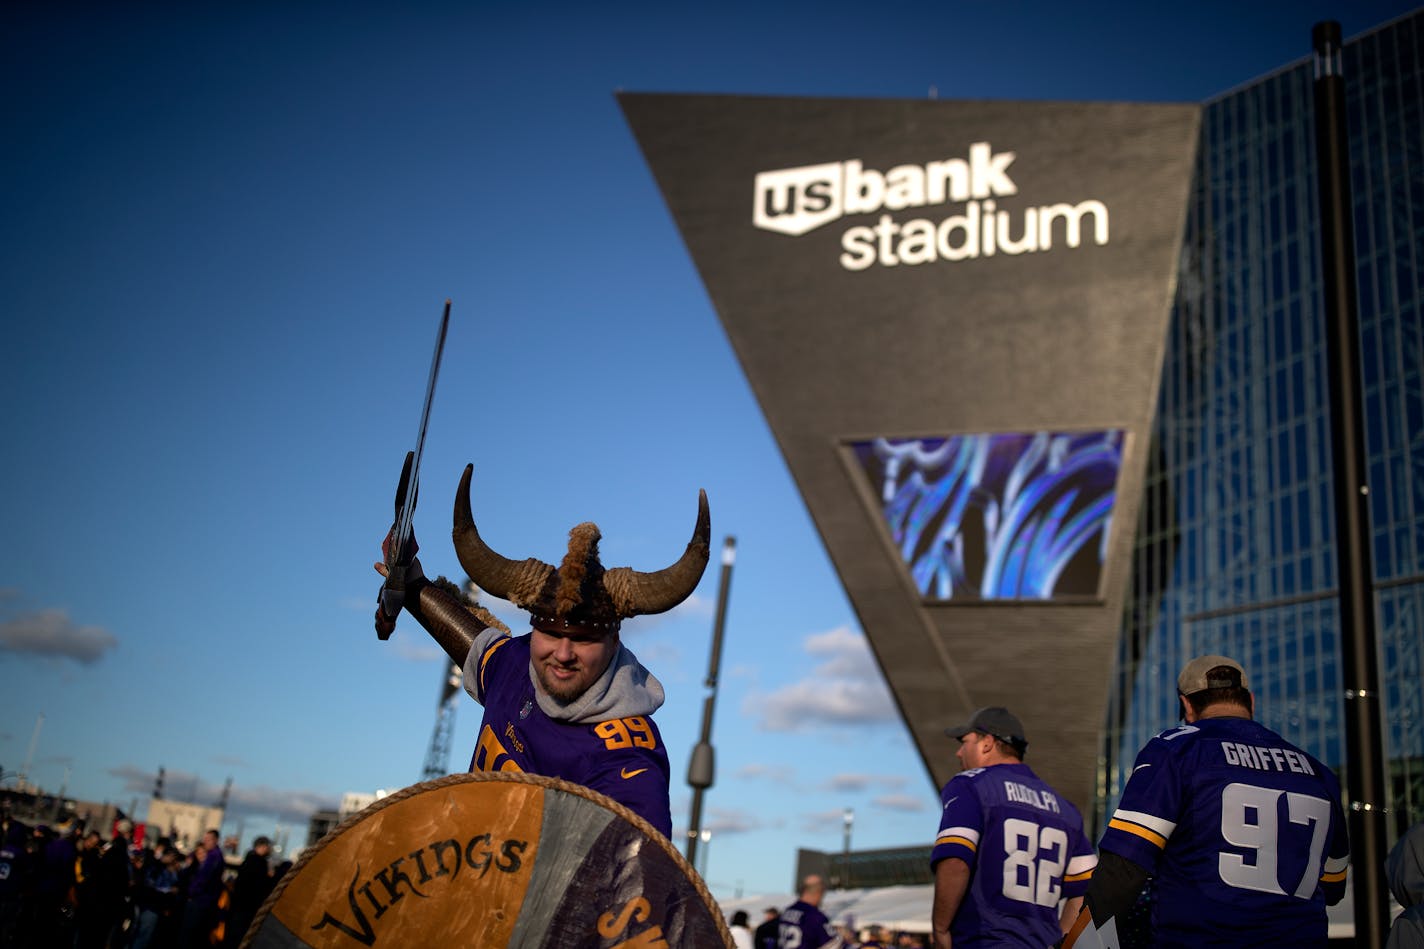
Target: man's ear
pixel 1188 715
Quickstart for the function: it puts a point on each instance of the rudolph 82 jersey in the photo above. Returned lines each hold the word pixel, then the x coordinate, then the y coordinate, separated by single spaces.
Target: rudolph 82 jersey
pixel 1243 831
pixel 1026 849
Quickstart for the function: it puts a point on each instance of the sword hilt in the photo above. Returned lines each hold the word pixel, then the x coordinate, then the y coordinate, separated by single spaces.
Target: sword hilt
pixel 397 552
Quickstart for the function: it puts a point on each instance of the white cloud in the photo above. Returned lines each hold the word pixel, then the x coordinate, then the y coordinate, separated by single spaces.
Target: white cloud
pixel 846 653
pixel 288 806
pixel 899 802
pixel 821 822
pixel 844 688
pixel 51 633
pixel 724 820
pixel 775 773
pixel 231 761
pixel 862 782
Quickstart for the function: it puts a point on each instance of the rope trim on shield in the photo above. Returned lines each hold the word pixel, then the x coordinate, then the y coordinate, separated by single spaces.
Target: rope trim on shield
pixel 558 784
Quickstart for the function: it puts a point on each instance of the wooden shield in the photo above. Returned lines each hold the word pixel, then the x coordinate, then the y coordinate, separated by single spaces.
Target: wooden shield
pixel 491 859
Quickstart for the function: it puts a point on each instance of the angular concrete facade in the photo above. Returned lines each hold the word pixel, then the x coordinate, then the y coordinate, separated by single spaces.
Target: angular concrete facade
pixel 844 246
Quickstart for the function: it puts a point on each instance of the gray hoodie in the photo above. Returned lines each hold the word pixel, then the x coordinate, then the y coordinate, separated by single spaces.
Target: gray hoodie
pixel 1404 869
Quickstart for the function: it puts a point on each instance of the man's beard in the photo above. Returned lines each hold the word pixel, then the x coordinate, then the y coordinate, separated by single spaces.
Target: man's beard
pixel 562 690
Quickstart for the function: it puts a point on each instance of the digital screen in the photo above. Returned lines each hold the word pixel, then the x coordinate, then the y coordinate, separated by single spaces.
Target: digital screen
pixel 999 516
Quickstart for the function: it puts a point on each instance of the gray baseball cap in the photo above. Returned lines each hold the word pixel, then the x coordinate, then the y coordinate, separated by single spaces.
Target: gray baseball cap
pixel 995 721
pixel 1194 676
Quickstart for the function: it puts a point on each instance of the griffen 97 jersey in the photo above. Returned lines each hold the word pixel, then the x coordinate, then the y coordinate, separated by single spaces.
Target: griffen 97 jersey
pixel 623 758
pixel 1243 831
pixel 1025 848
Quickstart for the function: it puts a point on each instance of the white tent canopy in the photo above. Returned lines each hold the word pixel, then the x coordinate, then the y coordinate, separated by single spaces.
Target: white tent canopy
pixel 905 908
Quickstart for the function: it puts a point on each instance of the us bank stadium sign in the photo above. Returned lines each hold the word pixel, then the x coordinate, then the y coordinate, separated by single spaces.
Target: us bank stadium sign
pixel 971 223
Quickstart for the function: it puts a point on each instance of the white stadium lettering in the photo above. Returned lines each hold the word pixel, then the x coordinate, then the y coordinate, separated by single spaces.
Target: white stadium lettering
pixel 795 201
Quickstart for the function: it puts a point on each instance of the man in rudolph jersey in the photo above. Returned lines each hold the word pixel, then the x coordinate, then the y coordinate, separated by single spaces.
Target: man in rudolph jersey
pixel 1010 850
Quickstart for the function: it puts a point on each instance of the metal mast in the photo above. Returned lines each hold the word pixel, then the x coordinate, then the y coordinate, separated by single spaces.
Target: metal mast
pixel 437 756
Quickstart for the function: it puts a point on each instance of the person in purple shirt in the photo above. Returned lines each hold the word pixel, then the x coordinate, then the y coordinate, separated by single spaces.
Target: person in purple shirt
pixel 1241 831
pixel 568 699
pixel 200 914
pixel 803 925
pixel 1010 849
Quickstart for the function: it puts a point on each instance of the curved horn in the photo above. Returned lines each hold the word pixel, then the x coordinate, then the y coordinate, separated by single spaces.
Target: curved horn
pixel 518 581
pixel 635 593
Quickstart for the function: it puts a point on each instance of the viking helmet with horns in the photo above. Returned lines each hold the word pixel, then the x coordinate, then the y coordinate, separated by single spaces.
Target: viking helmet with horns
pixel 578 595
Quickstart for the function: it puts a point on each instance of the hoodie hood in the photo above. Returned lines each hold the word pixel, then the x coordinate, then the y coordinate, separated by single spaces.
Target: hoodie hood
pixel 625 688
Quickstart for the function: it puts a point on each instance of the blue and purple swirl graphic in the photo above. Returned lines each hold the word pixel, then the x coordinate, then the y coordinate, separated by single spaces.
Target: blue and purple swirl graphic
pixel 1004 516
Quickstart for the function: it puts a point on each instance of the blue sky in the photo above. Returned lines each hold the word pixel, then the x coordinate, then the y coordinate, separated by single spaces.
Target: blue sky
pixel 226 236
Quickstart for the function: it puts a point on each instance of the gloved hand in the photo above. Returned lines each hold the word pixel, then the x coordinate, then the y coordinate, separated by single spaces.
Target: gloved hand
pixel 385 625
pixel 407 557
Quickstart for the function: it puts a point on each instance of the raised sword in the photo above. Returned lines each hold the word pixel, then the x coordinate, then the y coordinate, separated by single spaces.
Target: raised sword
pixel 392 595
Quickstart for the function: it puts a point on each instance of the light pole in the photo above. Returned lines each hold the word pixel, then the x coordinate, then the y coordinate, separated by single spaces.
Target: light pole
pixel 845 848
pixel 700 770
pixel 706 837
pixel 1366 787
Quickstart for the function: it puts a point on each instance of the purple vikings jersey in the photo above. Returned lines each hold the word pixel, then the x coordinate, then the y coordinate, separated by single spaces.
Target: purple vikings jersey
pixel 803 926
pixel 1243 831
pixel 1026 851
pixel 623 758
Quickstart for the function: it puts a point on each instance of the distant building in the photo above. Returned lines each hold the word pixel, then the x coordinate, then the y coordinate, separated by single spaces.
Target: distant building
pixel 321 824
pixel 866 869
pixel 182 822
pixel 324 821
pixel 353 801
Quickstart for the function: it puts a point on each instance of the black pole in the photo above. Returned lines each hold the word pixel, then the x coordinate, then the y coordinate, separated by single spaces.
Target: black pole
pixel 1359 656
pixel 701 769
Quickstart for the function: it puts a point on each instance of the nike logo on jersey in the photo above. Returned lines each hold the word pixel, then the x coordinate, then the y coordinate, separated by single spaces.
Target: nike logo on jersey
pixel 625 773
pixel 949 802
pixel 1140 767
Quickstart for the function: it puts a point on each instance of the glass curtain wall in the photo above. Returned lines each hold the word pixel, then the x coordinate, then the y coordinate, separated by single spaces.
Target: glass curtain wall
pixel 1235 549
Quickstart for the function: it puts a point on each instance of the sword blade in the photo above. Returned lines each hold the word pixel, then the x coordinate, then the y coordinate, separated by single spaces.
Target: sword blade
pixel 392 595
pixel 404 522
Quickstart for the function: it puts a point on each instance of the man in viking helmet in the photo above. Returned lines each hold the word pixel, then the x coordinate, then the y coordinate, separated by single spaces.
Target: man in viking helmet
pixel 566 700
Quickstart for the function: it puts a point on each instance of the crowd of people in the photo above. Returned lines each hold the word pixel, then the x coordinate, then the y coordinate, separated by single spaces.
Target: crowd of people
pixel 803 924
pixel 70 886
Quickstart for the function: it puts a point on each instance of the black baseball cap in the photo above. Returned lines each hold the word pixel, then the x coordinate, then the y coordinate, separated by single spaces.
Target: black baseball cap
pixel 995 721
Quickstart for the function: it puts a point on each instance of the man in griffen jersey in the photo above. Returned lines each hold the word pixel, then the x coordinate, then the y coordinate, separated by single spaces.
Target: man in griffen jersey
pixel 1010 848
pixel 568 699
pixel 1242 830
pixel 803 925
